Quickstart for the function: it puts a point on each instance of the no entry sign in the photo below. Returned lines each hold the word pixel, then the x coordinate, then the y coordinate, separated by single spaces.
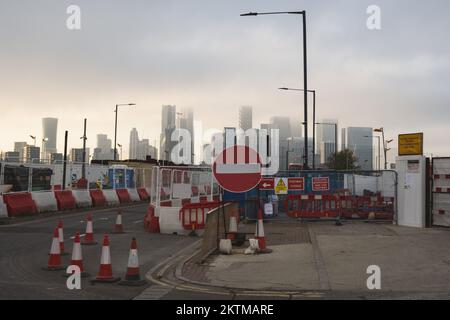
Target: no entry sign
pixel 297 184
pixel 237 169
pixel 321 184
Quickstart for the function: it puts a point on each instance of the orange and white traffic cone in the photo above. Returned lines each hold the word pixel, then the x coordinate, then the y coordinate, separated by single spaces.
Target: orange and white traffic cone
pixel 61 238
pixel 54 259
pixel 133 277
pixel 77 256
pixel 118 228
pixel 105 273
pixel 89 236
pixel 260 235
pixel 232 230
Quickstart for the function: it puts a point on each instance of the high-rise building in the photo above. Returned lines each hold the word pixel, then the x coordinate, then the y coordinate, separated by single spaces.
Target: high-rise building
pixel 49 135
pixel 186 121
pixel 360 142
pixel 140 149
pixel 18 147
pixel 168 125
pixel 12 156
pixel 76 155
pixel 245 118
pixel 134 142
pixel 104 150
pixel 283 125
pixel 296 151
pixel 296 128
pixel 57 158
pixel 326 133
pixel 31 154
pixel 326 150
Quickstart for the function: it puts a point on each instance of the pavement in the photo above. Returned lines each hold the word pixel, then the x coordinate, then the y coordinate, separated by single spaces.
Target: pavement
pixel 24 247
pixel 322 261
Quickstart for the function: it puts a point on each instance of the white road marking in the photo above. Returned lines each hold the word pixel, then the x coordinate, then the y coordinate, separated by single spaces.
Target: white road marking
pixel 138 221
pixel 81 236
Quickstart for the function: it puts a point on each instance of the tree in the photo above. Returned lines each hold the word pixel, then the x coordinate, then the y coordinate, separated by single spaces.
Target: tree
pixel 343 160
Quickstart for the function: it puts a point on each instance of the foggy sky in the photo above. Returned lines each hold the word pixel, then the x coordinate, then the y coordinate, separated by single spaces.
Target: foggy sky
pixel 202 54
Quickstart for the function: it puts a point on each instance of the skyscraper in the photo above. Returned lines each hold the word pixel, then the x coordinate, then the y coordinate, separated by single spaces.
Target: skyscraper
pixel 19 147
pixel 245 117
pixel 186 121
pixel 134 142
pixel 360 142
pixel 326 137
pixel 49 135
pixel 168 124
pixel 283 125
pixel 104 151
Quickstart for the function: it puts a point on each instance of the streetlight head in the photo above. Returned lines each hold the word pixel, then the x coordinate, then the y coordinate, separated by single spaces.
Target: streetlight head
pixel 378 130
pixel 132 104
pixel 389 141
pixel 249 14
pixel 284 88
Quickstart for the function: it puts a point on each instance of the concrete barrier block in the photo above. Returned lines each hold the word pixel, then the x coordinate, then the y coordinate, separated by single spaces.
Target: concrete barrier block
pixel 134 195
pixel 45 201
pixel 82 198
pixel 111 197
pixel 169 221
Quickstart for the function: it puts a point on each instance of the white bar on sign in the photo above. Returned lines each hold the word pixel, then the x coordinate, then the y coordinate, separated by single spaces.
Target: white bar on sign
pixel 238 168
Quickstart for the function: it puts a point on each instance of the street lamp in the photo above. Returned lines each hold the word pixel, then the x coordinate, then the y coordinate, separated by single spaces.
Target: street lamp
pixel 335 135
pixel 379 151
pixel 120 146
pixel 44 140
pixel 314 121
pixel 385 143
pixel 305 70
pixel 34 139
pixel 115 127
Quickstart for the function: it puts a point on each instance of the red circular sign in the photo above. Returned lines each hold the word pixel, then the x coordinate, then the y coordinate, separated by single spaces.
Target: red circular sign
pixel 237 169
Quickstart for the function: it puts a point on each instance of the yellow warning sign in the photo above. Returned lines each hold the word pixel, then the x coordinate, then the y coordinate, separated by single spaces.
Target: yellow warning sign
pixel 410 144
pixel 281 186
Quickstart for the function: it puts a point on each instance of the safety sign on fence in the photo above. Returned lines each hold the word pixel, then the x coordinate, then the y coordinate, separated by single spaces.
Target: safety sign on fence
pixel 281 186
pixel 321 184
pixel 296 184
pixel 267 184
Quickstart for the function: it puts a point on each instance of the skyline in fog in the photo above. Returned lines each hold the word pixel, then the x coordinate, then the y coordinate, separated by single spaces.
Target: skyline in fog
pixel 204 56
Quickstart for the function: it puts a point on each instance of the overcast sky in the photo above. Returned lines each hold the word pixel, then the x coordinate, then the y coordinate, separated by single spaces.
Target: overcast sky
pixel 202 54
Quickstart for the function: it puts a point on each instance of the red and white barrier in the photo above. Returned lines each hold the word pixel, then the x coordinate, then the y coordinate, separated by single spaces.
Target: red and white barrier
pixel 134 195
pixel 82 198
pixel 45 201
pixel 111 197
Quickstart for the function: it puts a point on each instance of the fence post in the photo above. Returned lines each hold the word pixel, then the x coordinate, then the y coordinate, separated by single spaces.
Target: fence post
pixel 30 179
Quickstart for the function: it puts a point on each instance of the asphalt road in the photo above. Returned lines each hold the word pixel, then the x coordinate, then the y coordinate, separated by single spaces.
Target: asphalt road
pixel 24 249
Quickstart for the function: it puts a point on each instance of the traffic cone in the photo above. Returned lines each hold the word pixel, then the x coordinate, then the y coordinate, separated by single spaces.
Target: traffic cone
pixel 260 236
pixel 118 228
pixel 61 238
pixel 105 273
pixel 77 256
pixel 89 236
pixel 233 225
pixel 54 259
pixel 133 277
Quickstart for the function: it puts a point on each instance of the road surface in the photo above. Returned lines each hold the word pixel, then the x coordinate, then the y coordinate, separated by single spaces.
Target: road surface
pixel 24 249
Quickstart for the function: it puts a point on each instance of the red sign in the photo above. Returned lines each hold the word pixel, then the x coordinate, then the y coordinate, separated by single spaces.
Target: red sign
pixel 296 184
pixel 321 184
pixel 267 184
pixel 237 169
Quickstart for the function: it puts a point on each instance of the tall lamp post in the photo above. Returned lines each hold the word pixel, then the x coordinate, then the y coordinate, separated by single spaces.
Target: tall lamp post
pixel 335 135
pixel 305 70
pixel 385 144
pixel 314 121
pixel 115 127
pixel 34 139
